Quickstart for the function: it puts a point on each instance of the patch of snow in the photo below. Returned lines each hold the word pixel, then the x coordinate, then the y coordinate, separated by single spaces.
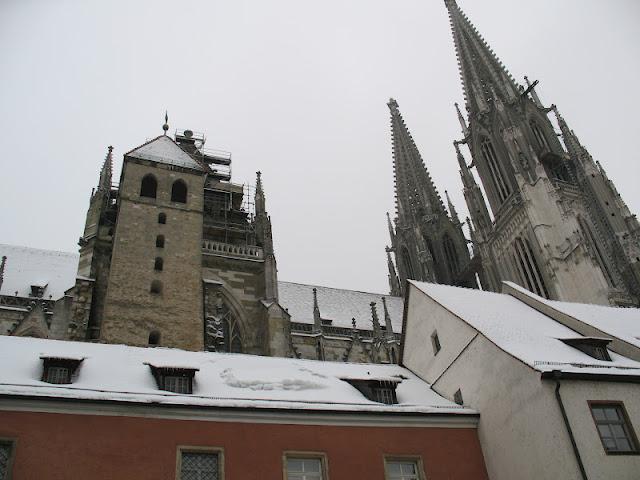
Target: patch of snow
pixel 338 305
pixel 623 323
pixel 121 373
pixel 29 266
pixel 164 150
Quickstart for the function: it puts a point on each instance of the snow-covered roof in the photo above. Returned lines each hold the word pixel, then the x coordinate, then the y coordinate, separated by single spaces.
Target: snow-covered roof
pixel 522 331
pixel 338 305
pixel 31 266
pixel 623 323
pixel 164 150
pixel 121 373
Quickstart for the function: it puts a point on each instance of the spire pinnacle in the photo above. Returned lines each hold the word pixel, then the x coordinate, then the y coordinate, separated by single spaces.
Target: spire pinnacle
pixel 2 265
pixel 480 68
pixel 394 282
pixel 106 172
pixel 416 194
pixel 375 321
pixel 452 209
pixel 165 127
pixel 259 199
pixel 387 319
pixel 317 321
pixel 463 122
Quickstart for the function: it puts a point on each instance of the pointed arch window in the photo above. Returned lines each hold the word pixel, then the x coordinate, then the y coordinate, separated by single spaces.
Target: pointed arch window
pixel 595 247
pixel 451 255
pixel 539 135
pixel 406 261
pixel 179 191
pixel 148 186
pixel 498 178
pixel 528 268
pixel 222 332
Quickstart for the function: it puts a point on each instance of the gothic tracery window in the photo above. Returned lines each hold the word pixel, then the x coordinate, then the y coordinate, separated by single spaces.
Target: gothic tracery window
pixel 528 268
pixel 222 332
pixel 539 135
pixel 498 178
pixel 408 267
pixel 451 254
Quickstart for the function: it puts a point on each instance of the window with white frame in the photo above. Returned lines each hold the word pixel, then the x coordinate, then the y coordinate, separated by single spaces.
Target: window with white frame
pixel 304 468
pixel 614 428
pixel 399 469
pixel 6 450
pixel 200 465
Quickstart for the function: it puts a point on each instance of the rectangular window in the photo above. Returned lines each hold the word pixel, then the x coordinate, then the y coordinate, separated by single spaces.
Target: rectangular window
pixel 614 428
pixel 305 467
pixel 57 375
pixel 403 469
pixel 200 464
pixel 435 342
pixel 177 384
pixel 6 456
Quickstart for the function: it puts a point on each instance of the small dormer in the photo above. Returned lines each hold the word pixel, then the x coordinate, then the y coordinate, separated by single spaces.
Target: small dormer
pixel 58 369
pixel 376 390
pixel 174 379
pixel 595 347
pixel 38 288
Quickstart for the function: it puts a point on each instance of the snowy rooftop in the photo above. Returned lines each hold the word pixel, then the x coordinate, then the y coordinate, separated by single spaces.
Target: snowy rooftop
pixel 524 332
pixel 122 373
pixel 31 266
pixel 338 305
pixel 164 150
pixel 623 323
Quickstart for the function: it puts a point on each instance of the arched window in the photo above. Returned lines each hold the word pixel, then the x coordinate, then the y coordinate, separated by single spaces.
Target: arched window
pixel 158 264
pixel 179 191
pixel 406 261
pixel 154 338
pixel 451 255
pixel 595 246
pixel 541 139
pixel 148 186
pixel 162 218
pixel 500 183
pixel 160 241
pixel 528 267
pixel 156 287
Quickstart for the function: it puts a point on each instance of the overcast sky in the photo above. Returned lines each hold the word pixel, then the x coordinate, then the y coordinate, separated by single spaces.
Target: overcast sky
pixel 298 90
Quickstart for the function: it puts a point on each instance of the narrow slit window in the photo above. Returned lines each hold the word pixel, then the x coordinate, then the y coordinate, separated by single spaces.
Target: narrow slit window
pixel 156 287
pixel 160 241
pixel 158 264
pixel 162 218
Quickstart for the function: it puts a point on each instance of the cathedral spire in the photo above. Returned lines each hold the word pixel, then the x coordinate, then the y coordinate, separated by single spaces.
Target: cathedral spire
pixel 483 75
pixel 317 320
pixel 106 172
pixel 416 194
pixel 394 282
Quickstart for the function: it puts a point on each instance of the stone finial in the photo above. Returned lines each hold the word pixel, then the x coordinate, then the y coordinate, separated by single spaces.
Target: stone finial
pixel 2 265
pixel 387 319
pixel 375 321
pixel 317 320
pixel 353 323
pixel 165 127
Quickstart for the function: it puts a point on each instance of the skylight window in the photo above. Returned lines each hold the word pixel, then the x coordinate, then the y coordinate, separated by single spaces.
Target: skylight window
pixel 593 346
pixel 59 370
pixel 174 379
pixel 381 391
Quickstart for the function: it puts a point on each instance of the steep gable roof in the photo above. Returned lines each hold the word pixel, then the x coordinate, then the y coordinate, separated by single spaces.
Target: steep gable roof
pixel 526 334
pixel 163 149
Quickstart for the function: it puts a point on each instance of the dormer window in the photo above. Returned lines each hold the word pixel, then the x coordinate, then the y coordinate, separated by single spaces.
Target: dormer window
pixel 381 391
pixel 593 346
pixel 326 323
pixel 174 379
pixel 37 291
pixel 59 370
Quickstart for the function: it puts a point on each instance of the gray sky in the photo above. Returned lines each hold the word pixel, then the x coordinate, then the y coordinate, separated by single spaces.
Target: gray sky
pixel 298 90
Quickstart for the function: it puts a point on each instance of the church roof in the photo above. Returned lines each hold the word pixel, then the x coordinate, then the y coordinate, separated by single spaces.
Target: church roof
pixel 163 149
pixel 338 305
pixel 55 271
pixel 528 335
pixel 123 374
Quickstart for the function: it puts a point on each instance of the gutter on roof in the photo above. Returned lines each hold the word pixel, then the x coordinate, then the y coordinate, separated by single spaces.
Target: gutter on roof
pixel 108 407
pixel 593 377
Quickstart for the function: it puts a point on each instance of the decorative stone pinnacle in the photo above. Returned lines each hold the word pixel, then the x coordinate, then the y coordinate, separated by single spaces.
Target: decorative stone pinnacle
pixel 165 127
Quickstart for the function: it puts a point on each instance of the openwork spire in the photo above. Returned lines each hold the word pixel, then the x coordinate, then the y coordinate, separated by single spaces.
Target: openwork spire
pixel 416 195
pixel 107 171
pixel 483 75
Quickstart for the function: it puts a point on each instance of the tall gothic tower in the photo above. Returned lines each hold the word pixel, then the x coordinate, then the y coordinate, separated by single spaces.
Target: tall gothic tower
pixel 557 225
pixel 427 241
